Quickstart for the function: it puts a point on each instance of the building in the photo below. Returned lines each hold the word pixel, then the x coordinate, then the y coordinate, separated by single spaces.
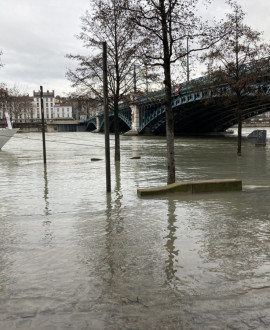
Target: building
pixel 53 107
pixel 62 111
pixel 48 105
pixel 27 109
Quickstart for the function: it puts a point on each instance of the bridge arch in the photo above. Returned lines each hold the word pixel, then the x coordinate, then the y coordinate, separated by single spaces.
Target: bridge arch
pixel 194 113
pixel 97 122
pixel 193 116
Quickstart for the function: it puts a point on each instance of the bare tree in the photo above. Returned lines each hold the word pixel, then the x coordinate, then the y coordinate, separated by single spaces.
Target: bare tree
pixel 84 104
pixel 240 63
pixel 1 53
pixel 3 101
pixel 18 104
pixel 3 93
pixel 106 21
pixel 167 24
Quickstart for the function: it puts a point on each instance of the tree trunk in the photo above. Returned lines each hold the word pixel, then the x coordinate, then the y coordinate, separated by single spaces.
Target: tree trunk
pixel 117 93
pixel 168 98
pixel 169 134
pixel 239 135
pixel 116 130
pixel 116 135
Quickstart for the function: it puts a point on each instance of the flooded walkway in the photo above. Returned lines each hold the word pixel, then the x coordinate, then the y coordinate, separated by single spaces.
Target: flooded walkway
pixel 74 257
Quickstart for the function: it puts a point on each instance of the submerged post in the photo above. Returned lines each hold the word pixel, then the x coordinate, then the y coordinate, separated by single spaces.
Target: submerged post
pixel 43 125
pixel 106 118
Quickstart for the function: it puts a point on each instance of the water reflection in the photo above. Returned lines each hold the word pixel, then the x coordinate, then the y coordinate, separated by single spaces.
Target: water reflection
pixel 170 244
pixel 46 190
pixel 114 226
pixel 48 233
pixel 109 238
pixel 237 238
pixel 117 189
pixel 121 262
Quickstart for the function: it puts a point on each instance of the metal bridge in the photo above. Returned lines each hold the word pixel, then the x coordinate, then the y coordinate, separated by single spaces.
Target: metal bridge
pixel 194 113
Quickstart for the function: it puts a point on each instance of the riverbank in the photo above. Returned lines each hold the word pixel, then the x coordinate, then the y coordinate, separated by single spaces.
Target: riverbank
pixel 51 126
pixel 254 124
pixel 74 126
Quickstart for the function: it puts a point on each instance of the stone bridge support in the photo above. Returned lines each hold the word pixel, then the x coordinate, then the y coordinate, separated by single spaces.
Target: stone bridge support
pixel 97 124
pixel 135 118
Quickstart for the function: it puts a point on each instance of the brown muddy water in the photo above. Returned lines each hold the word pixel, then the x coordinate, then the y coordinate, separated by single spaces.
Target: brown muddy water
pixel 74 257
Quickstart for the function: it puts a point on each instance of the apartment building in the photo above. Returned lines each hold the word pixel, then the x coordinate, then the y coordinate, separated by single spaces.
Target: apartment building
pixel 53 108
pixel 48 105
pixel 25 108
pixel 62 111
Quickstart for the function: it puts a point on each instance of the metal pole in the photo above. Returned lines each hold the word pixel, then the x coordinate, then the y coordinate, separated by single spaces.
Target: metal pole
pixel 43 125
pixel 134 80
pixel 187 62
pixel 146 78
pixel 106 118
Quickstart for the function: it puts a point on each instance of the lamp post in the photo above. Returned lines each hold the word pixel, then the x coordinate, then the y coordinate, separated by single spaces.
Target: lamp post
pixel 106 118
pixel 43 125
pixel 187 61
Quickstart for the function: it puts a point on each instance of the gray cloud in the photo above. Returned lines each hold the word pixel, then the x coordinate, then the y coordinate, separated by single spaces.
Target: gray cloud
pixel 36 36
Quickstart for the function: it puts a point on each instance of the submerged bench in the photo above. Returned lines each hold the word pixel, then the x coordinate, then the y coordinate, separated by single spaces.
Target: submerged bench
pixel 193 187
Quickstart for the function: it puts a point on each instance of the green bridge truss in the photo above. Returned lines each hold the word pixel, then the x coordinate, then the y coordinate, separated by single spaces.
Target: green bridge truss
pixel 194 113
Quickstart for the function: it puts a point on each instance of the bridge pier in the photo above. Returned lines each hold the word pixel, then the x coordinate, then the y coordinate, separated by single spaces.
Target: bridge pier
pixel 97 125
pixel 135 118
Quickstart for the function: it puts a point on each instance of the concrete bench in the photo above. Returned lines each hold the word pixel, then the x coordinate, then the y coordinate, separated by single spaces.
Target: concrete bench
pixel 193 187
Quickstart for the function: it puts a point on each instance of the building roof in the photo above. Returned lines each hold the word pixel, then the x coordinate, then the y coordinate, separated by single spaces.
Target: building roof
pixel 48 93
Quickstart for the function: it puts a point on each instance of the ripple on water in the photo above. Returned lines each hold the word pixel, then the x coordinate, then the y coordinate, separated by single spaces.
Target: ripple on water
pixel 73 256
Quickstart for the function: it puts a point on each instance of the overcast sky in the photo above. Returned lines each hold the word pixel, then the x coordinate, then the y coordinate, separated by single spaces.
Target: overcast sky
pixel 36 35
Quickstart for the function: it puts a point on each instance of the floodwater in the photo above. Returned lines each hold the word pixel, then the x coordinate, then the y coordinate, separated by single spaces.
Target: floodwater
pixel 74 257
